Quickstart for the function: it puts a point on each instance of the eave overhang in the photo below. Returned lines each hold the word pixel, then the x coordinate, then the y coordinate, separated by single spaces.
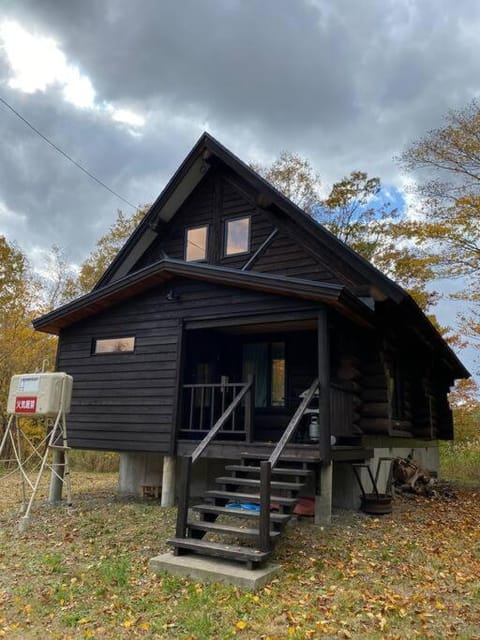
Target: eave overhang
pixel 332 295
pixel 420 322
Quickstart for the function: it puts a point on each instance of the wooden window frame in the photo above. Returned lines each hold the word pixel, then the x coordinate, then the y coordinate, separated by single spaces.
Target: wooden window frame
pixel 95 341
pixel 207 242
pixel 226 222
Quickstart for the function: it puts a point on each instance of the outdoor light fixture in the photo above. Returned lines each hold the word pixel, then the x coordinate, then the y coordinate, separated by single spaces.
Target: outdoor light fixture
pixel 172 296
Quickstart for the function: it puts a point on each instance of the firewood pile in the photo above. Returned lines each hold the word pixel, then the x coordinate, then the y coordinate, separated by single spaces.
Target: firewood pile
pixel 410 479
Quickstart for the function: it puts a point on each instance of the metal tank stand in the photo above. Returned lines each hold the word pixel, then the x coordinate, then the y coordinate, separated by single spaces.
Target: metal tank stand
pixel 27 455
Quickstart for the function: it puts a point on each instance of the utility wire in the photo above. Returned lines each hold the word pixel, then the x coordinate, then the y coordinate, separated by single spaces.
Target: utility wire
pixel 65 155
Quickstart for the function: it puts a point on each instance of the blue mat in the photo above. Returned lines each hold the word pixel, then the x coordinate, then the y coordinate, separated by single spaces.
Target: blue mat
pixel 245 506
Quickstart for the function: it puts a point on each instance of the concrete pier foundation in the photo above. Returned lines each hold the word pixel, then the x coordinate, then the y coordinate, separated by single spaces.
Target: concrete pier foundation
pixel 323 495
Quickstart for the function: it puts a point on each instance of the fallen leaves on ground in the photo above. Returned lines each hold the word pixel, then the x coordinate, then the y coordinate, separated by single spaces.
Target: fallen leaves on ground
pixel 83 573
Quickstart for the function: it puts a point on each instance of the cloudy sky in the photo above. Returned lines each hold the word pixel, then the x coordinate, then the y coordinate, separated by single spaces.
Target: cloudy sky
pixel 127 87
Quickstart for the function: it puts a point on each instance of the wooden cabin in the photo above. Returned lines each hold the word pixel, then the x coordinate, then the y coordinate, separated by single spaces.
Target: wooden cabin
pixel 233 327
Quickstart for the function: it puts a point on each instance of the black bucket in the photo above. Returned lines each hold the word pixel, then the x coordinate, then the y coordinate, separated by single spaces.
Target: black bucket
pixel 376 504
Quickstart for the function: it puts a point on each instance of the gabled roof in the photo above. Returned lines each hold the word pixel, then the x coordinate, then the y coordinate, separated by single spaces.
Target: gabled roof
pixel 206 152
pixel 118 283
pixel 92 303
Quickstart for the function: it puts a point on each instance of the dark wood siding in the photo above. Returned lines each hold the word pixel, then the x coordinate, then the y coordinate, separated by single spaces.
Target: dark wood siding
pixel 288 258
pixel 212 203
pixel 219 197
pixel 126 401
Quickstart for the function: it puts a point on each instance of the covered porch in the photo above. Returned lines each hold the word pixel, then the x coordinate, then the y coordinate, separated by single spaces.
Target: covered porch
pixel 271 363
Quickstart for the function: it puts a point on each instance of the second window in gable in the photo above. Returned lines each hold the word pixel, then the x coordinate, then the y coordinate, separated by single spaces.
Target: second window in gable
pixel 237 236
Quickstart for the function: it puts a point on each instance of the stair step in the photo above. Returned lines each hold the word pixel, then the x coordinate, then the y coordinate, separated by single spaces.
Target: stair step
pixel 254 482
pixel 228 551
pixel 250 497
pixel 275 471
pixel 215 527
pixel 305 459
pixel 278 518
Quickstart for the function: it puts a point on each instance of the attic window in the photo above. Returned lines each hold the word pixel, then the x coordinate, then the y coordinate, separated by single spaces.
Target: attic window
pixel 196 244
pixel 114 345
pixel 237 236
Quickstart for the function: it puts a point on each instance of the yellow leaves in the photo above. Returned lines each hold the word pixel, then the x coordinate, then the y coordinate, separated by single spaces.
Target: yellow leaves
pixel 241 624
pixel 381 622
pixel 408 567
pixel 128 623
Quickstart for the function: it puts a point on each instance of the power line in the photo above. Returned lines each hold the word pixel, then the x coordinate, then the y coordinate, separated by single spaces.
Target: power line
pixel 65 155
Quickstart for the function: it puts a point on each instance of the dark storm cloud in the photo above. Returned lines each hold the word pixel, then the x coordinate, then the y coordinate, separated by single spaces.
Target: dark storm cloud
pixel 346 83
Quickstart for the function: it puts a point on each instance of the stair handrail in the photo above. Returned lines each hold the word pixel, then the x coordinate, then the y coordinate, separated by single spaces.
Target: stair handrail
pixel 187 461
pixel 293 424
pixel 266 466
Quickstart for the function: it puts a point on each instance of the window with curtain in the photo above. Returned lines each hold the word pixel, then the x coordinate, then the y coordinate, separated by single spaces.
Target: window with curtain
pixel 266 361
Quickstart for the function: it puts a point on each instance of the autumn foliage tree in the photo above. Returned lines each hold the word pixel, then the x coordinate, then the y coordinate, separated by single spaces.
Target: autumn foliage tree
pixel 22 350
pixel 448 227
pixel 105 250
pixel 295 177
pixel 355 212
pixel 465 403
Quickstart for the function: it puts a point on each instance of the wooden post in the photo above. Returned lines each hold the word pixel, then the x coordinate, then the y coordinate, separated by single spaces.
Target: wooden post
pixel 250 409
pixel 324 385
pixel 264 525
pixel 223 391
pixel 183 496
pixel 180 396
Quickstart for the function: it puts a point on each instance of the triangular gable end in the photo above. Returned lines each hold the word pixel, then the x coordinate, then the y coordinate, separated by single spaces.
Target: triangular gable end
pixel 208 154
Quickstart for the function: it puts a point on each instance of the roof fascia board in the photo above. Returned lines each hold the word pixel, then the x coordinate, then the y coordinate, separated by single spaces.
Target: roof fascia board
pixel 174 190
pixel 136 251
pixel 178 196
pixel 320 292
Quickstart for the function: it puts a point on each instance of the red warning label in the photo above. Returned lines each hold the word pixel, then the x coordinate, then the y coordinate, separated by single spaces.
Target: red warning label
pixel 25 404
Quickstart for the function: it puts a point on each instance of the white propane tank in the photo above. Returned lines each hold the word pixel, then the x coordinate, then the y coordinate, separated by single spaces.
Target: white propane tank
pixel 314 429
pixel 40 394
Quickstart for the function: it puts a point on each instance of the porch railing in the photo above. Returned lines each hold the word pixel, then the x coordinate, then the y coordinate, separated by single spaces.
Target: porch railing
pixel 266 466
pixel 204 404
pixel 247 392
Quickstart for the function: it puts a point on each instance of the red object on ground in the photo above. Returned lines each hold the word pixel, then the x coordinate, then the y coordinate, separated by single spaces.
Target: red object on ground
pixel 305 507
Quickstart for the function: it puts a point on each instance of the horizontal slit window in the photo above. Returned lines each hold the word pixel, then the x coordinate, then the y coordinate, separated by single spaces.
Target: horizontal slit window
pixel 114 345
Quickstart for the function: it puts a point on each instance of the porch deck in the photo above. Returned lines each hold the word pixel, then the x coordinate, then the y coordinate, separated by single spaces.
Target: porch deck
pixel 307 452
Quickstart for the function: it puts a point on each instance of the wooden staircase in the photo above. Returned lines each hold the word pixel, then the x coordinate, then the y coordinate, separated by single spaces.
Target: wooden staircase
pixel 220 515
pixel 247 483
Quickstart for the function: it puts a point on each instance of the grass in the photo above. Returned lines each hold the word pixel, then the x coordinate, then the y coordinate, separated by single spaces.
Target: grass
pixel 83 573
pixel 460 461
